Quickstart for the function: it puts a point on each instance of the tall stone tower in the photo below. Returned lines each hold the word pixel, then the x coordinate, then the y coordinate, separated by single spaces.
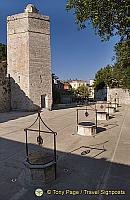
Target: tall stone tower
pixel 29 60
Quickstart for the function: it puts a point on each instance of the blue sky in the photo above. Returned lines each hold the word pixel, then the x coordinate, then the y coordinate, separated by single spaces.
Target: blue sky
pixel 75 54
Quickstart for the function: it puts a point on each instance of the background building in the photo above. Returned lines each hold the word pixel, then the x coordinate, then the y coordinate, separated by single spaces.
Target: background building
pixel 76 83
pixel 91 82
pixel 91 86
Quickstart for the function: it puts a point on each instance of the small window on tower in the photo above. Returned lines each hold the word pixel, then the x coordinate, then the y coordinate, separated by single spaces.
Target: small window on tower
pixel 41 78
pixel 19 79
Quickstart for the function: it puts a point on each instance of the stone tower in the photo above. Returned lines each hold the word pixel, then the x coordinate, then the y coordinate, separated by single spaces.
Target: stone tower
pixel 29 60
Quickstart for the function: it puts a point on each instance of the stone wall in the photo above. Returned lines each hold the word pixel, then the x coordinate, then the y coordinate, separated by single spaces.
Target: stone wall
pixel 40 80
pixel 122 94
pixel 4 89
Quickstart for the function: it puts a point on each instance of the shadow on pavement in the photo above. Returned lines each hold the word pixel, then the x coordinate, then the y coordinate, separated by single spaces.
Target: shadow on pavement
pixel 100 129
pixel 12 115
pixel 75 171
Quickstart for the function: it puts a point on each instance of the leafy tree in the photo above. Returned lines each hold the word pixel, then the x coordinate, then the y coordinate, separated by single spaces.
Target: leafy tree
pixel 72 91
pixel 55 91
pixel 3 52
pixel 99 79
pixel 122 52
pixel 104 77
pixel 108 17
pixel 127 80
pixel 121 69
pixel 83 91
pixel 56 95
pixel 119 74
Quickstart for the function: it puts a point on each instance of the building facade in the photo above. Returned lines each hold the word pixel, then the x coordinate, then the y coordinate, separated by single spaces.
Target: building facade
pixel 77 83
pixel 91 87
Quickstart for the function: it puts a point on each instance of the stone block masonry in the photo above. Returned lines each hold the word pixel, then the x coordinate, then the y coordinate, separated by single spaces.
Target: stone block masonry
pixel 29 60
pixel 122 94
pixel 111 93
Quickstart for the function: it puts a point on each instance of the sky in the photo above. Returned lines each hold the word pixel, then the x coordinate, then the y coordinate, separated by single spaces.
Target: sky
pixel 74 54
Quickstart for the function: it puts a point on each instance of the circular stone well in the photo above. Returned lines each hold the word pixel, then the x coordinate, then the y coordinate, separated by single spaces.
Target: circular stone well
pixel 111 110
pixel 101 115
pixel 86 128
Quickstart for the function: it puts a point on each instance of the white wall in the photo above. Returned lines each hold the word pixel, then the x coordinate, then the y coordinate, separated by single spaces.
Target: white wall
pixel 122 94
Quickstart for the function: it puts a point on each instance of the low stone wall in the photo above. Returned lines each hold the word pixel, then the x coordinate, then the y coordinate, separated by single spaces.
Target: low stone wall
pixel 122 94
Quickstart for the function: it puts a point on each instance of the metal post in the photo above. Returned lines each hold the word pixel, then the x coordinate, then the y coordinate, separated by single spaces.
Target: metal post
pixel 110 98
pixel 77 120
pixel 39 123
pixel 116 98
pixel 55 153
pixel 96 120
pixel 108 109
pixel 26 144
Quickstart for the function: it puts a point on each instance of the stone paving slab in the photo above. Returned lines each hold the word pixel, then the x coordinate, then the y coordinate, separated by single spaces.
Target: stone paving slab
pixel 98 170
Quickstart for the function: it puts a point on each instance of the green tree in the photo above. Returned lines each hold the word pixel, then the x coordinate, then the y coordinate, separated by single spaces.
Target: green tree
pixel 108 17
pixel 122 53
pixel 55 91
pixel 104 77
pixel 3 52
pixel 83 91
pixel 56 95
pixel 119 74
pixel 121 70
pixel 99 82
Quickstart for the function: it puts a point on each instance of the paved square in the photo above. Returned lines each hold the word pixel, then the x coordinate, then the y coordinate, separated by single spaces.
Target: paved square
pixel 105 167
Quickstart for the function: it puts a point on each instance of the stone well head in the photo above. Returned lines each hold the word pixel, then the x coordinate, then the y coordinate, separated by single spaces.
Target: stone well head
pixel 40 156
